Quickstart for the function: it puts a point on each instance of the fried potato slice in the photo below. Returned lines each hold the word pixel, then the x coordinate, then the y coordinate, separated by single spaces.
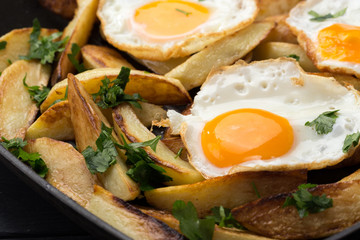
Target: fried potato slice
pixel 275 7
pixel 128 219
pixel 343 79
pixel 175 144
pixel 193 72
pixel 67 173
pixel 281 32
pixel 127 124
pixel 149 113
pixel 17 44
pixel 78 31
pixel 266 216
pixel 281 49
pixel 227 191
pixel 155 89
pixel 64 8
pixel 161 67
pixel 54 123
pixel 86 118
pixel 219 233
pixel 17 110
pixel 102 57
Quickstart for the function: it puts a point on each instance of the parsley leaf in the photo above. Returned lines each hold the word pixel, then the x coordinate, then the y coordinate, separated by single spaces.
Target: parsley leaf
pixel 182 11
pixel 75 49
pixel 112 93
pixel 179 153
pixel 294 56
pixel 190 225
pixel 143 170
pixel 324 122
pixel 34 160
pixel 223 217
pixel 100 160
pixel 306 203
pixel 320 18
pixel 351 140
pixel 37 94
pixel 44 48
pixel 2 45
pixel 61 99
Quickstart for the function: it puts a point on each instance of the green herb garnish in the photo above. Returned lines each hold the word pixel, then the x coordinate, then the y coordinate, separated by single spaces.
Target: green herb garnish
pixel 351 140
pixel 44 48
pixel 3 45
pixel 9 61
pixel 34 160
pixel 306 203
pixel 190 225
pixel 75 49
pixel 255 190
pixel 37 94
pixel 61 99
pixel 223 217
pixel 179 153
pixel 98 161
pixel 294 56
pixel 324 122
pixel 320 18
pixel 143 170
pixel 112 93
pixel 182 11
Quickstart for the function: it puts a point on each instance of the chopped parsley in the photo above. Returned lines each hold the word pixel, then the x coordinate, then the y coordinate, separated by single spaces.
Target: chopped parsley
pixel 182 11
pixel 255 190
pixel 320 18
pixel 112 93
pixel 61 99
pixel 9 61
pixel 2 45
pixel 37 94
pixel 44 48
pixel 100 160
pixel 324 122
pixel 190 225
pixel 223 217
pixel 294 56
pixel 179 153
pixel 143 170
pixel 306 203
pixel 351 140
pixel 75 49
pixel 34 160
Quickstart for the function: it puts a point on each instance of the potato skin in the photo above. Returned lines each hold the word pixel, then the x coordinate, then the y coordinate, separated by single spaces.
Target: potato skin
pixel 64 8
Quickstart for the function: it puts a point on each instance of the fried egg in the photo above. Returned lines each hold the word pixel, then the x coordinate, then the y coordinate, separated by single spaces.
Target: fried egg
pixel 251 117
pixel 330 33
pixel 162 29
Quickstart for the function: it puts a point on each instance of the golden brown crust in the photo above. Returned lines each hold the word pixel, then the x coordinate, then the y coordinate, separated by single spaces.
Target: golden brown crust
pixel 65 8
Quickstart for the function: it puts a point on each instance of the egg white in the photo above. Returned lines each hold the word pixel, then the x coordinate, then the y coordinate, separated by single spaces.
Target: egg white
pixel 281 87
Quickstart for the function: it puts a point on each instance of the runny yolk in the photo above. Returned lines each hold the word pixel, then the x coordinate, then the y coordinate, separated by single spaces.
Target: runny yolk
pixel 170 18
pixel 245 134
pixel 340 42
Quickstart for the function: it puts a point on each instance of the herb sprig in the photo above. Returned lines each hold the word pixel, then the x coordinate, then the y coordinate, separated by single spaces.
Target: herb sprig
pixel 351 140
pixel 112 93
pixel 75 49
pixel 320 18
pixel 37 94
pixel 294 56
pixel 306 203
pixel 34 160
pixel 44 48
pixel 224 218
pixel 324 122
pixel 2 45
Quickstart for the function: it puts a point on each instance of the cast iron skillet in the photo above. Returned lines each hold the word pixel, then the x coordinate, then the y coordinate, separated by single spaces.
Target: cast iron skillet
pixel 18 14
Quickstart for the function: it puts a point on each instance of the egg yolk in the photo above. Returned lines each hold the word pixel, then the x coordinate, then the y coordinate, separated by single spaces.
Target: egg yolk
pixel 244 135
pixel 340 42
pixel 170 18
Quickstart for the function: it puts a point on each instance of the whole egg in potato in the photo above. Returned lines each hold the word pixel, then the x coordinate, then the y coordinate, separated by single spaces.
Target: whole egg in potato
pixel 330 33
pixel 162 29
pixel 252 117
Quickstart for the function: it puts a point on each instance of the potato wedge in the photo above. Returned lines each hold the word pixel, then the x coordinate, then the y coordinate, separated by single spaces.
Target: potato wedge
pixel 175 144
pixel 155 89
pixel 54 123
pixel 67 173
pixel 127 124
pixel 149 112
pixel 281 49
pixel 227 191
pixel 342 79
pixel 159 67
pixel 275 7
pixel 17 110
pixel 18 44
pixel 128 219
pixel 64 8
pixel 266 216
pixel 102 57
pixel 219 233
pixel 86 118
pixel 193 72
pixel 281 32
pixel 78 31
